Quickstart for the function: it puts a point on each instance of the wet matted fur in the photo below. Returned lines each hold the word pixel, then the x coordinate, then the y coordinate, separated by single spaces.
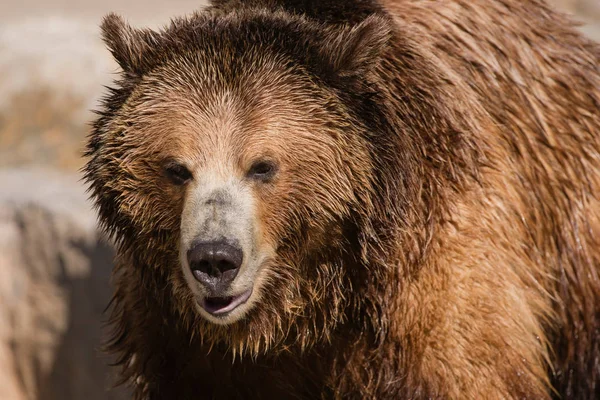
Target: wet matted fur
pixel 436 222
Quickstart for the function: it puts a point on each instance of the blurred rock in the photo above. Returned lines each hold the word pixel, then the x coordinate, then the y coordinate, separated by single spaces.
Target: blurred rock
pixel 54 286
pixel 586 12
pixel 52 71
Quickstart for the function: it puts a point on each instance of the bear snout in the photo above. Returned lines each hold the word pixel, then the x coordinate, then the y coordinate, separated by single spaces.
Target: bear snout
pixel 215 264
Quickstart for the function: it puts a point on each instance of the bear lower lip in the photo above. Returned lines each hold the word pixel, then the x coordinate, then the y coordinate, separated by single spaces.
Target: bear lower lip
pixel 224 305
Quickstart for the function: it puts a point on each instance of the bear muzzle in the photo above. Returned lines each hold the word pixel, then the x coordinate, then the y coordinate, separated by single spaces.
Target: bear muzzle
pixel 215 264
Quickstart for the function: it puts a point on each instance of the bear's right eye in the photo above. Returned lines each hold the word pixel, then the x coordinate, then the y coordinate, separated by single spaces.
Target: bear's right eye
pixel 177 173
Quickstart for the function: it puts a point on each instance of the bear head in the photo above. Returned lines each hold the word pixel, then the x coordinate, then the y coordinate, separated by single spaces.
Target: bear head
pixel 241 160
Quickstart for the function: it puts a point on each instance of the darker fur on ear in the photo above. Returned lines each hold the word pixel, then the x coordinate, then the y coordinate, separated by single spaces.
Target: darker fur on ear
pixel 133 49
pixel 355 50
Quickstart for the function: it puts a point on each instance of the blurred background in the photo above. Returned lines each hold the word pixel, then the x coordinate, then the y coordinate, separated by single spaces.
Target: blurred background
pixel 54 265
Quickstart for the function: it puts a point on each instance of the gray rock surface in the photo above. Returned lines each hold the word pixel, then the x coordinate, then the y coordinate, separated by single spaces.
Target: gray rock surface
pixel 54 287
pixel 587 12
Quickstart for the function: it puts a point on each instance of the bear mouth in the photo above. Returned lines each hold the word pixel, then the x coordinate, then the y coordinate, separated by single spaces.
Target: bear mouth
pixel 224 305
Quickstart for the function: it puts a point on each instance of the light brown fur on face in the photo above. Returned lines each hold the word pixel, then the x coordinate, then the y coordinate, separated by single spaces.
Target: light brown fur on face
pixel 218 129
pixel 431 231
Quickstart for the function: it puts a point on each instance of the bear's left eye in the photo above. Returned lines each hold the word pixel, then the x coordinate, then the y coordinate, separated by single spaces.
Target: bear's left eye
pixel 262 170
pixel 177 173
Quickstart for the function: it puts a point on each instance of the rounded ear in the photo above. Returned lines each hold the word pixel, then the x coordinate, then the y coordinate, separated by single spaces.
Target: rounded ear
pixel 357 50
pixel 133 49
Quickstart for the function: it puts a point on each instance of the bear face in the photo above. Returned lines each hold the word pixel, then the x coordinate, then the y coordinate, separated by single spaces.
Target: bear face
pixel 228 163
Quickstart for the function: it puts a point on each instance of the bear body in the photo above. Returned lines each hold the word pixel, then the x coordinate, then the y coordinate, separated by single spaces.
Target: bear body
pixel 423 220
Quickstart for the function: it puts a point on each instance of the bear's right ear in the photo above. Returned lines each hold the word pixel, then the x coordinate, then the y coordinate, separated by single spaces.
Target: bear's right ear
pixel 133 49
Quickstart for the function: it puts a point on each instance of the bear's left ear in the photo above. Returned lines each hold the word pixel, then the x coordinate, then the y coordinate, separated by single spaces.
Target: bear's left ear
pixel 133 49
pixel 356 50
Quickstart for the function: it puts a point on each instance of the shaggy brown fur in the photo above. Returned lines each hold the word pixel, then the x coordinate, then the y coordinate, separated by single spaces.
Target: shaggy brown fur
pixel 436 221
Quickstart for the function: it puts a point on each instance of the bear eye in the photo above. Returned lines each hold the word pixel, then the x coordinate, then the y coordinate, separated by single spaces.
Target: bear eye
pixel 262 170
pixel 177 173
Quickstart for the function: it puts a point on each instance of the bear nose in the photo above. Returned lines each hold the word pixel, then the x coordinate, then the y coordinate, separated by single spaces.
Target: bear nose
pixel 215 263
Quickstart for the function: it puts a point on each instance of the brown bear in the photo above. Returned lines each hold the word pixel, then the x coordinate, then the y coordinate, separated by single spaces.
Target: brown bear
pixel 353 199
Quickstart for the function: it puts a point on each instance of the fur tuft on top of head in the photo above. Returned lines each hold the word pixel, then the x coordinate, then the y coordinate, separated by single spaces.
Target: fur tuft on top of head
pixel 330 11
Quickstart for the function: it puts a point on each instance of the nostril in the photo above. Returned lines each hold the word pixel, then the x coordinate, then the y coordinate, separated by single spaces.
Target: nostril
pixel 203 266
pixel 214 260
pixel 225 265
